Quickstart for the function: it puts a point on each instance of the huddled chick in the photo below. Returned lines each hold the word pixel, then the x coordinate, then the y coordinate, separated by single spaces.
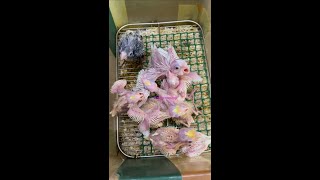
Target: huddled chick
pixel 131 46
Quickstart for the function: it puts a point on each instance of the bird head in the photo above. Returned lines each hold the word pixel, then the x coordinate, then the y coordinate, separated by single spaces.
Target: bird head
pixel 134 97
pixel 180 67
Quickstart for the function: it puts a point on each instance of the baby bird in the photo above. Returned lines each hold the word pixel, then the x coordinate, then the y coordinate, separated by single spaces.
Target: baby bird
pixel 170 139
pixel 197 146
pixel 131 46
pixel 166 139
pixel 128 100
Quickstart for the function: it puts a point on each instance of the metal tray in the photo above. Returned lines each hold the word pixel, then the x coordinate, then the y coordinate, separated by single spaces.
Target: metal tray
pixel 187 38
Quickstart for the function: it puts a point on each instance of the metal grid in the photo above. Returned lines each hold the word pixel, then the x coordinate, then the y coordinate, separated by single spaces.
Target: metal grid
pixel 187 39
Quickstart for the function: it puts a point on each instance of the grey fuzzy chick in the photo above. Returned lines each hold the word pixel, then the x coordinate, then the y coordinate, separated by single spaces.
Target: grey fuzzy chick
pixel 131 46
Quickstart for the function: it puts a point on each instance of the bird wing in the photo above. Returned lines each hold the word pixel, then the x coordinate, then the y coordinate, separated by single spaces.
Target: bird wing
pixel 172 54
pixel 164 53
pixel 191 77
pixel 136 114
pixel 157 116
pixel 158 61
pixel 149 105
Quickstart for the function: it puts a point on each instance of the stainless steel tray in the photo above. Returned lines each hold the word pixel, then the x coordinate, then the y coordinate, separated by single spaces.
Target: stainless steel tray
pixel 188 40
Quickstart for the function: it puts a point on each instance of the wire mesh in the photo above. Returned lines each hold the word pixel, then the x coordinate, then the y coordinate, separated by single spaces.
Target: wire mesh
pixel 189 44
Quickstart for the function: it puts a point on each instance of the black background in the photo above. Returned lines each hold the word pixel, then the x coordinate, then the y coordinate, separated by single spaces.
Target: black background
pixel 57 97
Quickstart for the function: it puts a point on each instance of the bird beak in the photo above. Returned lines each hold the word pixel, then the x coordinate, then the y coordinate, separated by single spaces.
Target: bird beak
pixel 123 56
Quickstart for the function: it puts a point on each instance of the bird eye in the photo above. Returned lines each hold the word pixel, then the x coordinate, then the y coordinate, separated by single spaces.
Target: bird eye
pixel 130 54
pixel 177 67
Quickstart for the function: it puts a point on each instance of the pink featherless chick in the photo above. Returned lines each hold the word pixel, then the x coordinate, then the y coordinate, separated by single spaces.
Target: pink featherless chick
pixel 166 139
pixel 177 71
pixel 185 79
pixel 152 112
pixel 197 146
pixel 180 110
pixel 180 69
pixel 147 112
pixel 128 99
pixel 168 64
pixel 138 113
pixel 186 118
pixel 165 64
pixel 173 107
pixel 151 115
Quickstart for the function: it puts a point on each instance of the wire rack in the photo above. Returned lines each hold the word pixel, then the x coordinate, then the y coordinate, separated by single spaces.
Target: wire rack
pixel 188 41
